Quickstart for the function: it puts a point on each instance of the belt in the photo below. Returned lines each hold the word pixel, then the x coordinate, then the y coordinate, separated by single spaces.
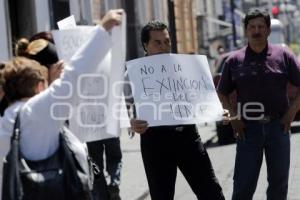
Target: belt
pixel 269 118
pixel 177 128
pixel 265 118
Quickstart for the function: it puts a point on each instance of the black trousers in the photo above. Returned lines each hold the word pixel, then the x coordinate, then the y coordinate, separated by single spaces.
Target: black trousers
pixel 164 149
pixel 113 157
pixel 111 148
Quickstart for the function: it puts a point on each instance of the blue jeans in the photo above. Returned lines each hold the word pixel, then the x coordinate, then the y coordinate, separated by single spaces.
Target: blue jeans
pixel 268 138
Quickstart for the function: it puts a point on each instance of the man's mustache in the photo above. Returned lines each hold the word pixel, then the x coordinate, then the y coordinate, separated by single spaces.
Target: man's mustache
pixel 257 35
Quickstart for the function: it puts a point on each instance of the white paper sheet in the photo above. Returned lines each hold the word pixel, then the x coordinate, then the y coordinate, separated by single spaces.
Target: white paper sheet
pixel 67 23
pixel 96 116
pixel 172 89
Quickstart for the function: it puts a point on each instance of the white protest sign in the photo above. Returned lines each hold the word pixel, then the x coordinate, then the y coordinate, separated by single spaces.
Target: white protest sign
pixel 89 119
pixel 67 23
pixel 172 89
pixel 68 41
pixel 95 116
pixel 116 102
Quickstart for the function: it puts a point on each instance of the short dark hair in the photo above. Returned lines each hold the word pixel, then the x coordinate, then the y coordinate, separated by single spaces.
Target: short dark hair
pixel 46 35
pixel 255 13
pixel 154 25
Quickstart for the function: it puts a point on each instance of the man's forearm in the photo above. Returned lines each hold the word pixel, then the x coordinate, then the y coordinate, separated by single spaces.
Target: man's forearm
pixel 295 105
pixel 225 100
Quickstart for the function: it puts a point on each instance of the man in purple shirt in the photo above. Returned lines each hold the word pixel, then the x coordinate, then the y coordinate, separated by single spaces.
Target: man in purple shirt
pixel 259 74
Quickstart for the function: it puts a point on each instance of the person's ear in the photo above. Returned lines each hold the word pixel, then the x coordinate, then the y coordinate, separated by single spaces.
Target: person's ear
pixel 41 86
pixel 145 46
pixel 245 31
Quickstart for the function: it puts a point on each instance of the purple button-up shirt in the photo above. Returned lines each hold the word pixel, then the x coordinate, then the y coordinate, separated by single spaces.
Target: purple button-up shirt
pixel 261 77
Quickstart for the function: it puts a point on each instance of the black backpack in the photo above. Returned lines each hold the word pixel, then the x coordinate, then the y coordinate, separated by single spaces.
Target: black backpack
pixel 67 174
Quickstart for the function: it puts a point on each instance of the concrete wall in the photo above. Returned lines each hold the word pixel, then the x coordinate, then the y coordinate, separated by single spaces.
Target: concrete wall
pixel 42 15
pixel 4 39
pixel 186 26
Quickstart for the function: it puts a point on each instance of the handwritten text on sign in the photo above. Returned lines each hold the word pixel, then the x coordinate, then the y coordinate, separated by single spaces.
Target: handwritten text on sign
pixel 68 41
pixel 171 89
pixel 95 111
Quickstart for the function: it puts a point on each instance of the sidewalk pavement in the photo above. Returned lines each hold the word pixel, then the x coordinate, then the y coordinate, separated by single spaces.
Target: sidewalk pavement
pixel 134 184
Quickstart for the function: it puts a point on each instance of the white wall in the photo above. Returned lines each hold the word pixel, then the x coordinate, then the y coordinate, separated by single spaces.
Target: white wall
pixel 82 10
pixel 42 15
pixel 158 10
pixel 75 9
pixel 200 10
pixel 4 39
pixel 111 4
pixel 210 12
pixel 141 12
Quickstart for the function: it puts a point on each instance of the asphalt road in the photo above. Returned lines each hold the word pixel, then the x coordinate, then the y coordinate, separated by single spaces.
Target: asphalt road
pixel 134 185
